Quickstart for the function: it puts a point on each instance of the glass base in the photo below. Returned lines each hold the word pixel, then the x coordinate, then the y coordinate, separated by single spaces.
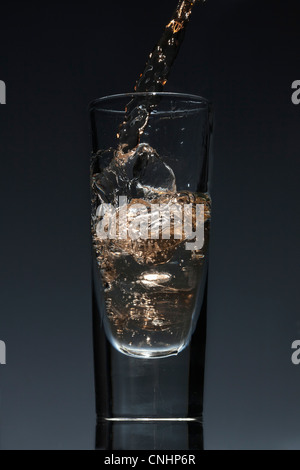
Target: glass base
pixel 143 434
pixel 147 403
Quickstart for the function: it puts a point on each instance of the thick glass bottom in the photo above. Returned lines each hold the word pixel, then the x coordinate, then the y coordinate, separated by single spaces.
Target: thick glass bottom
pixel 149 434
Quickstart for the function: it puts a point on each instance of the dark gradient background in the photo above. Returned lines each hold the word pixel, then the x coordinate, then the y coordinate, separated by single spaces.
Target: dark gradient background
pixel 57 56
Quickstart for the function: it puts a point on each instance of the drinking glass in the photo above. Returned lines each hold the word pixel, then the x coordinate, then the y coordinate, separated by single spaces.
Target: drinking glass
pixel 150 278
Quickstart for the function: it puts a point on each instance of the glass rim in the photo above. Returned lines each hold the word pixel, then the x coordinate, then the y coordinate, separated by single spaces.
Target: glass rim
pixel 197 99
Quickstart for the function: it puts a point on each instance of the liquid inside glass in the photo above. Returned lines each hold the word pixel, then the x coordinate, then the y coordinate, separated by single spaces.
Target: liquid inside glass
pixel 151 287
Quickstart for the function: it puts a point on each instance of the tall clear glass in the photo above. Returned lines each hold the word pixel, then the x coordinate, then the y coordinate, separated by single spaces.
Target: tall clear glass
pixel 150 231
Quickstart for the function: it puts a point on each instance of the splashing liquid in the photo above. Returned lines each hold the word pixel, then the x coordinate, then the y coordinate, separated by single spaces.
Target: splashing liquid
pixel 151 287
pixel 154 76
